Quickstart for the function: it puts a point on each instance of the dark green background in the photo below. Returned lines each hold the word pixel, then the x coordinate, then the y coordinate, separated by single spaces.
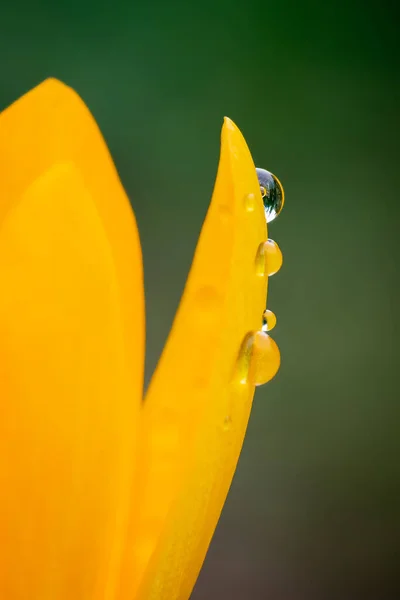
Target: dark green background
pixel 314 86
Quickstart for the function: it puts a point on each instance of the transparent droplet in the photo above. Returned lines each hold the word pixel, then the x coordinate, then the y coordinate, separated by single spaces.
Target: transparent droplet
pixel 272 194
pixel 268 258
pixel 258 359
pixel 268 320
pixel 274 257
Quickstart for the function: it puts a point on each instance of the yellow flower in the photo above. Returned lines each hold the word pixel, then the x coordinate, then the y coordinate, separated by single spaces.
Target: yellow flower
pixel 104 497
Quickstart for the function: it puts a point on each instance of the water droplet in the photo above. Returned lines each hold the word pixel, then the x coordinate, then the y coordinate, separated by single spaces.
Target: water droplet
pixel 250 202
pixel 259 359
pixel 268 258
pixel 227 422
pixel 272 194
pixel 274 257
pixel 269 320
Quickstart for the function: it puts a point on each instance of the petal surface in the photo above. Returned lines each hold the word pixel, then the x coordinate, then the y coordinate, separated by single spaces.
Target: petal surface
pixel 71 352
pixel 197 408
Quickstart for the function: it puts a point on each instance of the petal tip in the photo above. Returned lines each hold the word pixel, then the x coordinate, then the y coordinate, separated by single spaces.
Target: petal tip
pixel 229 124
pixel 54 88
pixel 53 81
pixel 51 85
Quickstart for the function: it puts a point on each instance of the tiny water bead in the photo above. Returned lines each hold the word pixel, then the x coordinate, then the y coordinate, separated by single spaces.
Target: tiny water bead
pixel 227 422
pixel 250 202
pixel 268 320
pixel 272 194
pixel 259 359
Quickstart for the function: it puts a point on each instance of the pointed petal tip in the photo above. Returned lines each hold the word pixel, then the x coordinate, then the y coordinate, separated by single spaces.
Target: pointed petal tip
pixel 228 123
pixel 53 81
pixel 229 127
pixel 51 84
pixel 234 147
pixel 233 137
pixel 55 88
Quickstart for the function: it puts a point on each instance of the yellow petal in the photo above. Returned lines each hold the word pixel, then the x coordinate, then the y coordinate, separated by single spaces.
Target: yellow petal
pixel 71 352
pixel 197 407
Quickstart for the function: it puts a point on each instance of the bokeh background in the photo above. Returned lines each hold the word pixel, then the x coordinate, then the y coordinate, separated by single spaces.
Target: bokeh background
pixel 314 508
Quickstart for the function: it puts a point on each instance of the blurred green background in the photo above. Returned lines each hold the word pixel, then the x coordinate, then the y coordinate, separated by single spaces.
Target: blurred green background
pixel 314 508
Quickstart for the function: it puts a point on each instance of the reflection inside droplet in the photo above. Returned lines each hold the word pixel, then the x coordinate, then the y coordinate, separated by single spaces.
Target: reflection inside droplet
pixel 272 194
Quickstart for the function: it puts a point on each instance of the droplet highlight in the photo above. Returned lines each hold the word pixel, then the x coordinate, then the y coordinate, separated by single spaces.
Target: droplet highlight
pixel 268 321
pixel 259 359
pixel 272 194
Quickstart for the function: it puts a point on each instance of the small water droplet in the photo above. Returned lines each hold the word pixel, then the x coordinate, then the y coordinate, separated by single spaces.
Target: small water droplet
pixel 272 194
pixel 250 202
pixel 269 320
pixel 268 258
pixel 274 257
pixel 227 422
pixel 259 359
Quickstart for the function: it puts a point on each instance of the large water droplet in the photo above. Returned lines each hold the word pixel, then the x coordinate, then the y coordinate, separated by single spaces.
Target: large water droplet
pixel 269 320
pixel 258 360
pixel 272 194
